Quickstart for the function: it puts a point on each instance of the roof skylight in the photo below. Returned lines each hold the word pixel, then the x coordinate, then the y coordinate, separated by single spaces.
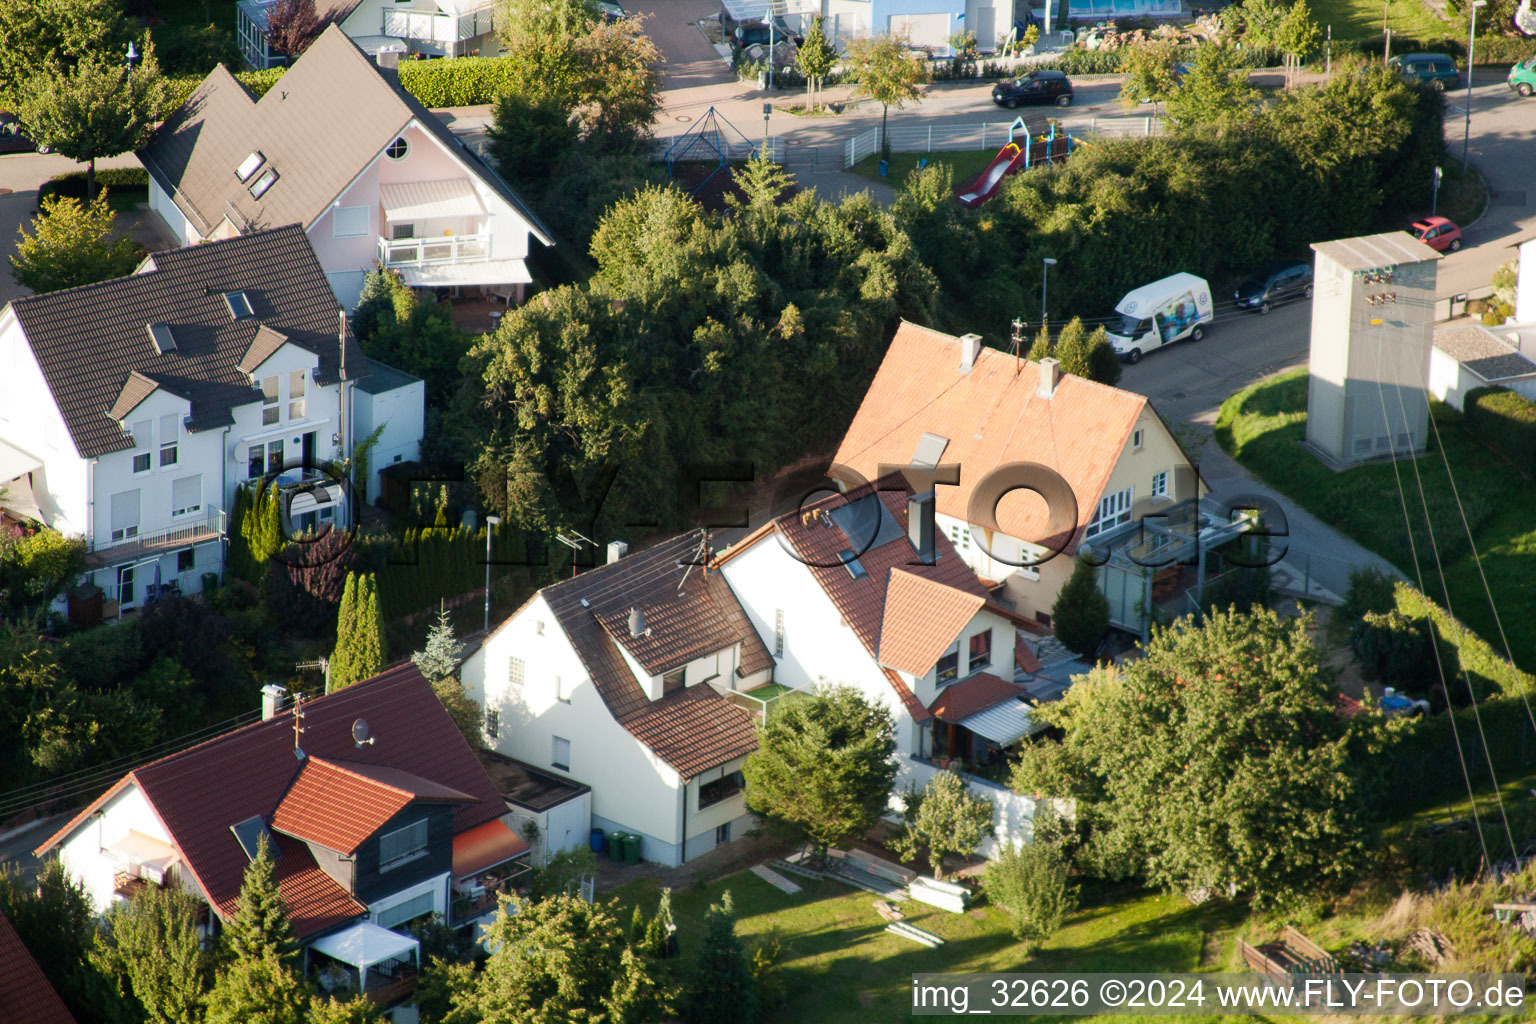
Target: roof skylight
pixel 249 832
pixel 260 185
pixel 239 305
pixel 249 165
pixel 851 563
pixel 160 336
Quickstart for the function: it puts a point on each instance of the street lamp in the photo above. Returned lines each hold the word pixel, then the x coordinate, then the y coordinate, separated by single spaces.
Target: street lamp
pixel 491 522
pixel 133 53
pixel 1466 135
pixel 1045 273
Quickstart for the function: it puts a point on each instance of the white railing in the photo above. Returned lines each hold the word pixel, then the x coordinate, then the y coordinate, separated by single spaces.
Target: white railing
pixel 193 528
pixel 972 137
pixel 410 252
pixel 419 26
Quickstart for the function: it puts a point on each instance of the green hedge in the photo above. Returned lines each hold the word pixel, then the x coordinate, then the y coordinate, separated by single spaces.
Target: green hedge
pixel 1491 672
pixel 73 182
pixel 427 565
pixel 179 87
pixel 1506 422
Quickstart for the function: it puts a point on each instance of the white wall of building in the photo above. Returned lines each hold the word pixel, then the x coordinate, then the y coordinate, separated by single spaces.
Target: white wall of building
pixel 438 887
pixel 403 413
pixel 1525 284
pixel 31 421
pixel 84 854
pixel 181 228
pixel 565 826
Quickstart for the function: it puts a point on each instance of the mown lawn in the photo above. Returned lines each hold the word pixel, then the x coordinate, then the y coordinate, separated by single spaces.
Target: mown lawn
pixel 1262 427
pixel 1360 20
pixel 966 165
pixel 842 966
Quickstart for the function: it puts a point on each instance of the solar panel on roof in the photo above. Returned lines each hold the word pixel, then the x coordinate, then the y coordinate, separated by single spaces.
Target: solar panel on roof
pixel 249 833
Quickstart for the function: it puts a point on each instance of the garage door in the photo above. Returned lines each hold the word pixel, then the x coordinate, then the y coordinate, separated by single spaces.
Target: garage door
pixel 924 30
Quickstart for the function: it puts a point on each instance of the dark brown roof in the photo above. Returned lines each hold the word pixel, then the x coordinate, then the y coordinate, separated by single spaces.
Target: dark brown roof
pixel 199 793
pixel 527 786
pixel 694 611
pixel 90 340
pixel 977 693
pixel 338 805
pixel 25 995
pixel 330 115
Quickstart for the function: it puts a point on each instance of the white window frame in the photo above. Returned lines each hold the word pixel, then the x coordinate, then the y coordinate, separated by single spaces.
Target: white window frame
pixel 344 222
pixel 415 853
pixel 1160 484
pixel 399 140
pixel 296 388
pixel 1137 437
pixel 560 692
pixel 1114 510
pixel 271 400
pixel 778 632
pixel 960 537
pixel 407 910
pixel 170 434
pixel 177 513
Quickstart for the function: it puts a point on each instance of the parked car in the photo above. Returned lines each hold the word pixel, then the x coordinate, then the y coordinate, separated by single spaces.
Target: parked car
pixel 1035 87
pixel 11 138
pixel 1522 77
pixel 755 33
pixel 1160 313
pixel 1438 233
pixel 1438 70
pixel 1275 283
pixel 611 12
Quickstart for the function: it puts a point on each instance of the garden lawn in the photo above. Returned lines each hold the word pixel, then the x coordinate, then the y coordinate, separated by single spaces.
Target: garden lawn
pixel 840 965
pixel 966 165
pixel 1360 21
pixel 1262 427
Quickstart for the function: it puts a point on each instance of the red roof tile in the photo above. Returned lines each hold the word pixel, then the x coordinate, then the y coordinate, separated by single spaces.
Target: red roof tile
pixel 25 995
pixel 990 416
pixel 339 805
pixel 979 692
pixel 922 618
pixel 200 792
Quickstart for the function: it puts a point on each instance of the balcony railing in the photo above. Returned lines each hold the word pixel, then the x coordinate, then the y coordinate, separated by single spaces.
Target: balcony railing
pixel 422 26
pixel 415 252
pixel 192 529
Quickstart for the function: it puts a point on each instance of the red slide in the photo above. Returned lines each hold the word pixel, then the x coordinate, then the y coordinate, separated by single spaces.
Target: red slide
pixel 1009 159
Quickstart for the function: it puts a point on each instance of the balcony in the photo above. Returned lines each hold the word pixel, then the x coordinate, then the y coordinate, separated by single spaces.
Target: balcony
pixel 437 30
pixel 420 252
pixel 189 531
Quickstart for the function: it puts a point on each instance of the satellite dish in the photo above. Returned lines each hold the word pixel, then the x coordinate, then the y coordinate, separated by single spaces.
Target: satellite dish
pixel 360 733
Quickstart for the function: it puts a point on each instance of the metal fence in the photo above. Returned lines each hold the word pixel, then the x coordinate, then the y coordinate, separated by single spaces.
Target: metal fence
pixel 983 135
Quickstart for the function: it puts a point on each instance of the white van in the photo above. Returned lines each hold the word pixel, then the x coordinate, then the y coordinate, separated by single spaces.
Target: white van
pixel 1159 314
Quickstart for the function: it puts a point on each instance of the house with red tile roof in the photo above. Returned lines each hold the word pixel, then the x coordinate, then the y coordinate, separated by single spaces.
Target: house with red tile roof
pixel 967 417
pixel 378 811
pixel 634 678
pixel 26 997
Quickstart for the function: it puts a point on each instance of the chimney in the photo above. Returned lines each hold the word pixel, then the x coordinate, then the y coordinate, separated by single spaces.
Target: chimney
pixel 920 525
pixel 272 700
pixel 637 623
pixel 617 549
pixel 388 58
pixel 1050 376
pixel 970 348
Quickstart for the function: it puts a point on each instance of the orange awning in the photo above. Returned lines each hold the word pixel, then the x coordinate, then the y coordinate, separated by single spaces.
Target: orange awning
pixel 485 846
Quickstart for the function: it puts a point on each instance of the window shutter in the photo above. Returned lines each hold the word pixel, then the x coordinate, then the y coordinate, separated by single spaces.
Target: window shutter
pixel 141 437
pixel 168 429
pixel 187 492
pixel 125 510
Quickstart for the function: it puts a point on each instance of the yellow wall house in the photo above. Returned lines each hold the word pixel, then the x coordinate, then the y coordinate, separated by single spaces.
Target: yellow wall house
pixel 977 418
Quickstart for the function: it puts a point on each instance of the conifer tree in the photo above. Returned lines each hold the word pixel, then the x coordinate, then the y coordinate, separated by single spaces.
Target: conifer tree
pixel 1080 615
pixel 721 989
pixel 341 671
pixel 368 649
pixel 440 660
pixel 152 946
pixel 258 984
pixel 636 998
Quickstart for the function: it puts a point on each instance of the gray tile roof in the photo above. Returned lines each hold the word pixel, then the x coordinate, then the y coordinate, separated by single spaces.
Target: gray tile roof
pixel 330 115
pixel 89 341
pixel 1481 352
pixel 689 612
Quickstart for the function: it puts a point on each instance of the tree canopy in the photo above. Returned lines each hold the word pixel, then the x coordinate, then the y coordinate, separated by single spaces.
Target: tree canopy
pixel 1238 718
pixel 70 245
pixel 943 818
pixel 37 33
pixel 889 73
pixel 823 765
pixel 153 945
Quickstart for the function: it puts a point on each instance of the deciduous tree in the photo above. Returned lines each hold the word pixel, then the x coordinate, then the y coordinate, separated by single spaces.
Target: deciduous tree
pixel 888 73
pixel 943 817
pixel 1170 755
pixel 814 59
pixel 1031 883
pixel 71 245
pixel 1215 92
pixel 292 25
pixel 1151 72
pixel 95 107
pixel 823 765
pixel 37 33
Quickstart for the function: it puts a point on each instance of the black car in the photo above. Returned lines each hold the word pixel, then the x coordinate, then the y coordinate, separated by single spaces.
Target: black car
pixel 1275 283
pixel 11 138
pixel 755 33
pixel 611 12
pixel 1035 87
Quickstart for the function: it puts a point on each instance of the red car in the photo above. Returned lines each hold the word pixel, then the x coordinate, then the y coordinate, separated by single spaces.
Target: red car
pixel 1438 233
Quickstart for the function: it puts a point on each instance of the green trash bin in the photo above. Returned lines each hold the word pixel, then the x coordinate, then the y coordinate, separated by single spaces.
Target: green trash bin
pixel 631 848
pixel 210 581
pixel 615 846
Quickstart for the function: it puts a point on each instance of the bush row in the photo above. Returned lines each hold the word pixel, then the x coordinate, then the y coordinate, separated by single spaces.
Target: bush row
pixel 1506 422
pixel 425 566
pixel 1488 52
pixel 115 178
pixel 179 87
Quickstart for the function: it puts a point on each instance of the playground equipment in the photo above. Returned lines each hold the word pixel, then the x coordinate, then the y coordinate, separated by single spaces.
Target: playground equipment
pixel 1022 152
pixel 713 140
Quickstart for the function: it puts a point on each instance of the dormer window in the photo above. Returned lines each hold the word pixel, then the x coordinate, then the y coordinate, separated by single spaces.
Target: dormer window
pixel 948 668
pixel 673 681
pixel 260 185
pixel 239 304
pixel 249 166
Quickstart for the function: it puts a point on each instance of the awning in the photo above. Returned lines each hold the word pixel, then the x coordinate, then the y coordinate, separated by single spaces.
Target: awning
pixel 364 944
pixel 485 272
pixel 423 200
pixel 138 848
pixel 1001 723
pixel 14 462
pixel 485 846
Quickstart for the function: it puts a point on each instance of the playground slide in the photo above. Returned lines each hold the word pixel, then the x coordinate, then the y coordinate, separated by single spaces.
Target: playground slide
pixel 1009 159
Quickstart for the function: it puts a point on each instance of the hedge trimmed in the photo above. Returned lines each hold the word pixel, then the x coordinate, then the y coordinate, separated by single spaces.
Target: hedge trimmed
pixel 1506 422
pixel 460 82
pixel 1489 670
pixel 179 87
pixel 73 182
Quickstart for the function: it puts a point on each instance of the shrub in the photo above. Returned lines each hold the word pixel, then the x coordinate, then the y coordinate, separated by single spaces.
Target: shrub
pixel 1394 649
pixel 1030 883
pixel 1370 590
pixel 461 82
pixel 1489 671
pixel 1497 313
pixel 179 87
pixel 1506 422
pixel 72 183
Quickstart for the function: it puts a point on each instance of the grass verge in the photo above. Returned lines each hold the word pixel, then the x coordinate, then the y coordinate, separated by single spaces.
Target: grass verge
pixel 1262 427
pixel 1411 21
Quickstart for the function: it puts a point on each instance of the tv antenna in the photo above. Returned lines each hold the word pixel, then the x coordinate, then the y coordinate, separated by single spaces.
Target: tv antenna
pixel 575 541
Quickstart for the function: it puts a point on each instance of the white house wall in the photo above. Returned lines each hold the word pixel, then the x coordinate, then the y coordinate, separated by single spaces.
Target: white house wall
pixel 926 686
pixel 767 580
pixel 632 789
pixel 1525 284
pixel 403 413
pixel 31 421
pixel 181 228
pixel 84 854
